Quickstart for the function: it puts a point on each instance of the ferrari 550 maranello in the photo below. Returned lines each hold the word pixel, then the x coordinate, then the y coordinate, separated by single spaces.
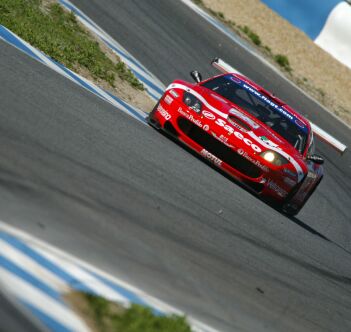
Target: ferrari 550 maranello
pixel 247 132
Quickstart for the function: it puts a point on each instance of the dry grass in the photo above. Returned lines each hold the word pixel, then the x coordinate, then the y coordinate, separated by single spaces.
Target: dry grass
pixel 314 70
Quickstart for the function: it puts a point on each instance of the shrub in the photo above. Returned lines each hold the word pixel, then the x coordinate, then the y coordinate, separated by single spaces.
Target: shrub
pixel 283 61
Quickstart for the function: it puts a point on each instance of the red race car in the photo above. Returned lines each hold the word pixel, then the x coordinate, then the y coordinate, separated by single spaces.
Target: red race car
pixel 247 132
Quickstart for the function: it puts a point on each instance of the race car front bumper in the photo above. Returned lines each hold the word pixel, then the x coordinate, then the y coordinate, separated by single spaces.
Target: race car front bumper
pixel 260 178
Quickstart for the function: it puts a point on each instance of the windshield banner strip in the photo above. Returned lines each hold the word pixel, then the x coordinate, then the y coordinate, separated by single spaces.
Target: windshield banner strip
pixel 267 101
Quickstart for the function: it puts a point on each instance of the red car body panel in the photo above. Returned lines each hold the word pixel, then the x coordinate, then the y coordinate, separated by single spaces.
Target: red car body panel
pixel 233 140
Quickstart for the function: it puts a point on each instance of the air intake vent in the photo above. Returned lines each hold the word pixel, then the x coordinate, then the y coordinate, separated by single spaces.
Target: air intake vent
pixel 236 121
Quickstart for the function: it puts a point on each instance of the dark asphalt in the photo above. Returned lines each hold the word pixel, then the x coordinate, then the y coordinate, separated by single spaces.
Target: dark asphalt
pixel 171 40
pixel 95 182
pixel 13 318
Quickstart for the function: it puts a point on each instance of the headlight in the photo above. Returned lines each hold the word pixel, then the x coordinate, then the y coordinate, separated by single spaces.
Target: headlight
pixel 269 156
pixel 274 158
pixel 191 101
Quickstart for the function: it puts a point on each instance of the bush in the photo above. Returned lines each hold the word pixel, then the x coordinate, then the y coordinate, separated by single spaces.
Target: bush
pixel 255 39
pixel 110 317
pixel 253 36
pixel 220 15
pixel 198 2
pixel 283 61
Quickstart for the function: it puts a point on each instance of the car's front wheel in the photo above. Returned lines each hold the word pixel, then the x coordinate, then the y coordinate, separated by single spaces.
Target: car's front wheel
pixel 150 118
pixel 291 209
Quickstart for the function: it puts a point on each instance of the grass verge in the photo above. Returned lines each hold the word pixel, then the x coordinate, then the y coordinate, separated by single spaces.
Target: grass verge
pixel 105 316
pixel 56 32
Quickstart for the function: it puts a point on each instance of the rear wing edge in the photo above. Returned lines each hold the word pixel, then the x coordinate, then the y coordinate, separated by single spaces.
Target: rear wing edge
pixel 327 138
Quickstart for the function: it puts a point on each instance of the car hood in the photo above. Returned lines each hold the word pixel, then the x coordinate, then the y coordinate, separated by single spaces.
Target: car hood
pixel 261 134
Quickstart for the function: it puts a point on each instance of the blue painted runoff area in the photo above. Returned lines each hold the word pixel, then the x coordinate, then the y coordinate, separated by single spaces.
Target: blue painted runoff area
pixel 307 15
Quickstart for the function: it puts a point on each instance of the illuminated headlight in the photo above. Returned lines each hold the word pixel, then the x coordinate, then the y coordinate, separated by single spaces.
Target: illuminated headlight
pixel 269 156
pixel 191 101
pixel 274 158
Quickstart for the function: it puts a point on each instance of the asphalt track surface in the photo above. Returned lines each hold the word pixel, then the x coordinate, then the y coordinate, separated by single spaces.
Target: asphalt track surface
pixel 103 186
pixel 14 319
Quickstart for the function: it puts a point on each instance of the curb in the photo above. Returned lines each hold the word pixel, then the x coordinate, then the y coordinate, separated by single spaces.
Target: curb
pixel 12 39
pixel 153 85
pixel 39 275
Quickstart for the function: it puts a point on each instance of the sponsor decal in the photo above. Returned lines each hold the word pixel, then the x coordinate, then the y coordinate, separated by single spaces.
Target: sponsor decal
pixel 243 117
pixel 163 112
pixel 256 162
pixel 222 139
pixel 208 115
pixel 268 101
pixel 269 142
pixel 280 191
pixel 300 123
pixel 289 181
pixel 265 99
pixel 190 117
pixel 209 156
pixel 235 79
pixel 289 172
pixel 173 93
pixel 312 175
pixel 238 135
pixel 168 99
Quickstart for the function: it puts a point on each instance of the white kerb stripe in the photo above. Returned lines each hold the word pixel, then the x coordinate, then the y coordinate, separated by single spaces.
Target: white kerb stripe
pixel 36 244
pixel 41 301
pixel 32 267
pixel 102 94
pixel 85 278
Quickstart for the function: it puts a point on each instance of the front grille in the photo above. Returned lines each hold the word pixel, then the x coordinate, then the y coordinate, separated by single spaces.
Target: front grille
pixel 218 149
pixel 168 127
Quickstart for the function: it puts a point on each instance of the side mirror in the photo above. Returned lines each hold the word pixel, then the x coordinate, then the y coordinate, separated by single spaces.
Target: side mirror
pixel 315 158
pixel 196 76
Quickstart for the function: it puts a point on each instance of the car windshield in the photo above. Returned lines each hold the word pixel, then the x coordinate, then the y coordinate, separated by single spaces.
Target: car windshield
pixel 262 108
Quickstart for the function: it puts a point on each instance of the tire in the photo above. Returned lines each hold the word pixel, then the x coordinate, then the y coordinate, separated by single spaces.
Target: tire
pixel 292 210
pixel 150 119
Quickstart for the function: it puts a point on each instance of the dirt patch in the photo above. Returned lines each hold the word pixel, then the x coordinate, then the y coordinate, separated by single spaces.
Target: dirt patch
pixel 313 69
pixel 82 308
